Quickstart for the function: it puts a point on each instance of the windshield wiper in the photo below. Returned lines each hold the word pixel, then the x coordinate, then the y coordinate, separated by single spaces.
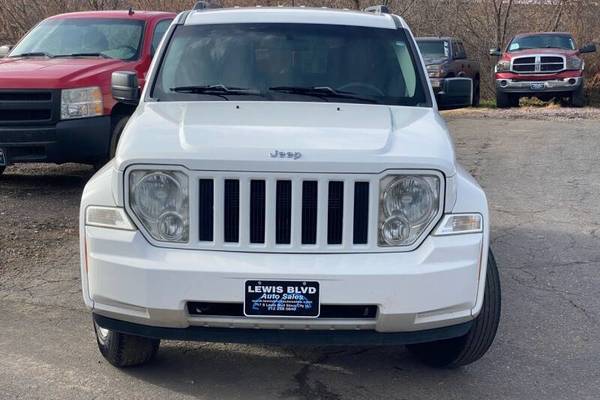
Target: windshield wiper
pixel 216 89
pixel 83 55
pixel 33 54
pixel 320 91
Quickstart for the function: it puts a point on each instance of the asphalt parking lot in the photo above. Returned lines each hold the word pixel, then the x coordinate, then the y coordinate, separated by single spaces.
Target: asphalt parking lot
pixel 542 178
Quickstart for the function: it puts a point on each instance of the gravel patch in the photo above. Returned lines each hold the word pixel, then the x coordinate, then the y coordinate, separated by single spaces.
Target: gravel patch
pixel 547 113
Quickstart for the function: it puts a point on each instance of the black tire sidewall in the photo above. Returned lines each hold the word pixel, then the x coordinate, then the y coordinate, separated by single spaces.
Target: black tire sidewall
pixel 577 98
pixel 452 353
pixel 502 100
pixel 476 93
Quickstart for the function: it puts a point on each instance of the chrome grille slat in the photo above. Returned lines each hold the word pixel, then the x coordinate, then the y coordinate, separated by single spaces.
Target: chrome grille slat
pixel 540 63
pixel 348 214
pixel 296 211
pixel 270 213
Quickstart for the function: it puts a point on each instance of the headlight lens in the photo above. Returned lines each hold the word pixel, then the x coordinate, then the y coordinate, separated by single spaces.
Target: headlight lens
pixel 160 201
pixel 503 66
pixel 81 103
pixel 409 203
pixel 435 70
pixel 574 63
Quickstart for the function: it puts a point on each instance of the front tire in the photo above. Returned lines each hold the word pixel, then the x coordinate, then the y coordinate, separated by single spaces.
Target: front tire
pixel 577 98
pixel 2 169
pixel 122 350
pixel 476 93
pixel 503 100
pixel 453 353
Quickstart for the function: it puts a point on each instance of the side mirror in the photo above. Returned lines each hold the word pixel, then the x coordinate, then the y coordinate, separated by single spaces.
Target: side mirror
pixel 126 87
pixel 456 93
pixel 496 52
pixel 588 48
pixel 4 50
pixel 460 56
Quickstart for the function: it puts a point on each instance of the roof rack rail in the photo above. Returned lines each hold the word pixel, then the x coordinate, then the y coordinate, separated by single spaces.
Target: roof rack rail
pixel 380 9
pixel 204 5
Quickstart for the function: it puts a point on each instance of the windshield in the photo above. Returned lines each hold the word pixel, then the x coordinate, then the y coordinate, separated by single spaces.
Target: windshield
pixel 289 62
pixel 114 38
pixel 434 48
pixel 542 42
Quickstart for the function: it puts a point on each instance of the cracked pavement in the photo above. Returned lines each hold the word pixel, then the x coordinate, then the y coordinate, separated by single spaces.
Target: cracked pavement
pixel 542 178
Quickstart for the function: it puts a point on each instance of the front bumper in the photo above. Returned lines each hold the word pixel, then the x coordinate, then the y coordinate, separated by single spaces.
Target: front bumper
pixel 278 336
pixel 434 286
pixel 557 85
pixel 83 140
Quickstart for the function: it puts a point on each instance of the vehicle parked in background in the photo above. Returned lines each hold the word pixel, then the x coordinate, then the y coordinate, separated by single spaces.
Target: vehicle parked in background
pixel 4 50
pixel 445 57
pixel 287 178
pixel 55 85
pixel 545 65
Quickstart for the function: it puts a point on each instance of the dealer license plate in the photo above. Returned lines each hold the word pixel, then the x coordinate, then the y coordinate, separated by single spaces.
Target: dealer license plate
pixel 536 86
pixel 282 299
pixel 2 159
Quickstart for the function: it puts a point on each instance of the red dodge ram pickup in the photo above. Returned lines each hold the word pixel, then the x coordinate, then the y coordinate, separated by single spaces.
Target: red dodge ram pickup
pixel 545 65
pixel 55 85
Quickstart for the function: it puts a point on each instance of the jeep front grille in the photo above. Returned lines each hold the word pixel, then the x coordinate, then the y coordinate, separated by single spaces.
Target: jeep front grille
pixel 277 212
pixel 283 211
pixel 538 64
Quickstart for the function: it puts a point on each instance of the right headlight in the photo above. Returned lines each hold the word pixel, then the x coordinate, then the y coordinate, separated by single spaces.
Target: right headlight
pixel 81 103
pixel 159 199
pixel 408 205
pixel 574 63
pixel 503 66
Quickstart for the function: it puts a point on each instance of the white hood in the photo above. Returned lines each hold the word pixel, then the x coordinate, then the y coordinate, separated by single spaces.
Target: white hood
pixel 331 137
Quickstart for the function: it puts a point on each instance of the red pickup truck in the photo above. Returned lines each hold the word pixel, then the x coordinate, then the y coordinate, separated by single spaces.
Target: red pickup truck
pixel 55 85
pixel 545 65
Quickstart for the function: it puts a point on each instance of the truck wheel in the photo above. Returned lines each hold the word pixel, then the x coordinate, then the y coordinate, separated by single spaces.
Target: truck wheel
pixel 577 98
pixel 503 100
pixel 2 170
pixel 464 350
pixel 122 350
pixel 117 130
pixel 476 93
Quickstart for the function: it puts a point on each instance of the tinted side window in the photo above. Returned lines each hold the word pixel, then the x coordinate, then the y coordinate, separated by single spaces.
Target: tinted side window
pixel 458 50
pixel 159 31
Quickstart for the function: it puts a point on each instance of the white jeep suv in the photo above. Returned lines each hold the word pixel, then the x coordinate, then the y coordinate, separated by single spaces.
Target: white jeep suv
pixel 287 178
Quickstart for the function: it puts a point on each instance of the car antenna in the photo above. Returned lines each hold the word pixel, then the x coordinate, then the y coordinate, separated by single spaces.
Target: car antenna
pixel 130 11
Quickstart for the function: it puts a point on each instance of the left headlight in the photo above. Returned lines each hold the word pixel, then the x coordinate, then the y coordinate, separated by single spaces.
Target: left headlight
pixel 435 70
pixel 574 63
pixel 408 205
pixel 502 66
pixel 159 199
pixel 81 103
